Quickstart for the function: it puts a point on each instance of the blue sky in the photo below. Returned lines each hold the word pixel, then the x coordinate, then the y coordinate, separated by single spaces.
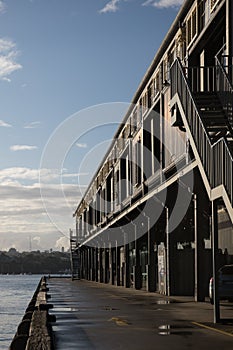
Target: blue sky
pixel 57 58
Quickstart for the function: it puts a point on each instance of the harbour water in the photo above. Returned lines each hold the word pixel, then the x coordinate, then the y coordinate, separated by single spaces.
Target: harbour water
pixel 15 293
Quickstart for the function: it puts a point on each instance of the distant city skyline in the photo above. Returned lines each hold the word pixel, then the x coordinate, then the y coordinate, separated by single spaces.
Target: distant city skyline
pixel 58 58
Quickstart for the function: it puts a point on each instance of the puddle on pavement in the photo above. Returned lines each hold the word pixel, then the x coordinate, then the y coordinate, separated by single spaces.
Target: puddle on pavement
pixel 167 329
pixel 162 302
pixel 65 309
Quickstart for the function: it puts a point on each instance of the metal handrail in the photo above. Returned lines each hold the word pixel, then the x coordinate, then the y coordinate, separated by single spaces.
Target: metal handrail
pixel 213 79
pixel 224 90
pixel 216 158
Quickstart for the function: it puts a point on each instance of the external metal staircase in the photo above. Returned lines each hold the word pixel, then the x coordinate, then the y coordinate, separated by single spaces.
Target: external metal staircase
pixel 74 257
pixel 204 97
pixel 213 115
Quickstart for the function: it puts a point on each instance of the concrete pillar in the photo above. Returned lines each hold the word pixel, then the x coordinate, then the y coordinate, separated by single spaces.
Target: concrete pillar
pixel 127 267
pixel 137 268
pixel 86 262
pixel 89 263
pixel 113 265
pixel 118 266
pixel 81 262
pixel 101 269
pixel 93 260
pixel 151 272
pixel 97 264
pixel 106 265
pixel 202 259
pixel 214 256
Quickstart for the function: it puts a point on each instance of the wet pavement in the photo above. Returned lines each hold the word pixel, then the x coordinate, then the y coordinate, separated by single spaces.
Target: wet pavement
pixel 91 315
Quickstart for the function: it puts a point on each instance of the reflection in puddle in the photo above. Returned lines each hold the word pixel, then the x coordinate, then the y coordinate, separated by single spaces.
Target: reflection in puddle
pixel 162 302
pixel 166 329
pixel 65 309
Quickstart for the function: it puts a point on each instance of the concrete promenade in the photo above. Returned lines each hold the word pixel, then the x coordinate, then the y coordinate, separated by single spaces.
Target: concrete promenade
pixel 99 316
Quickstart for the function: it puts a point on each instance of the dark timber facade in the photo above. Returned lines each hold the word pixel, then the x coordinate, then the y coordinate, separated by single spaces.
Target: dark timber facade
pixel 159 208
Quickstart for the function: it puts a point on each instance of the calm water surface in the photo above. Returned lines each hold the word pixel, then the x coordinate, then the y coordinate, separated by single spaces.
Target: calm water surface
pixel 16 292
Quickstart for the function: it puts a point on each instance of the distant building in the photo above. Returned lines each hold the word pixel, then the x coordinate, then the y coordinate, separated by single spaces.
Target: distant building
pixel 142 223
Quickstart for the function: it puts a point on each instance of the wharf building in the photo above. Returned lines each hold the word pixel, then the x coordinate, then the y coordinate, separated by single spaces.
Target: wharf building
pixel 158 212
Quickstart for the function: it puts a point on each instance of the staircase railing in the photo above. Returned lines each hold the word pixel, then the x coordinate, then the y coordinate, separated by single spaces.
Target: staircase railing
pixel 224 90
pixel 202 78
pixel 226 62
pixel 213 79
pixel 216 158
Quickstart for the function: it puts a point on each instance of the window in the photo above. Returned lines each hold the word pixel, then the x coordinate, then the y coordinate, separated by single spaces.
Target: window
pixel 205 7
pixel 139 111
pixel 117 186
pixel 138 163
pixel 150 94
pixel 194 23
pixel 157 84
pixel 191 26
pixel 168 63
pixel 144 102
pixel 134 121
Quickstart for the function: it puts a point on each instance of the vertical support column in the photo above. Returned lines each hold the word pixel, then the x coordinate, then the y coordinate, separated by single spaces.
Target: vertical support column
pixel 127 267
pixel 168 251
pixel 101 277
pixel 96 264
pixel 84 262
pixel 151 262
pixel 106 265
pixel 89 263
pixel 137 267
pixel 111 264
pixel 202 230
pixel 215 252
pixel 229 28
pixel 92 264
pixel 81 261
pixel 196 277
pixel 118 266
pixel 103 264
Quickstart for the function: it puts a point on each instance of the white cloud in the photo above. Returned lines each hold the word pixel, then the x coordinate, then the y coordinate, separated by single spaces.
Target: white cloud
pixel 18 173
pixel 4 124
pixel 32 125
pixel 2 7
pixel 23 213
pixel 63 242
pixel 8 57
pixel 111 6
pixel 81 145
pixel 163 3
pixel 14 174
pixel 6 79
pixel 16 148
